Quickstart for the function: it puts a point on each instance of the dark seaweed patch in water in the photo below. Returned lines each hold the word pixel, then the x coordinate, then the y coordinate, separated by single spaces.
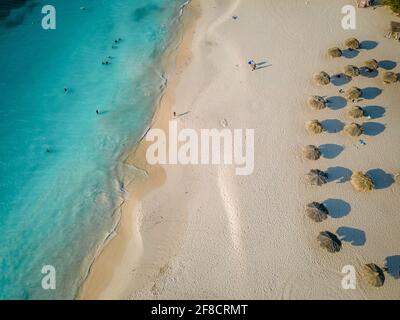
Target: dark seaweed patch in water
pixel 6 6
pixel 141 13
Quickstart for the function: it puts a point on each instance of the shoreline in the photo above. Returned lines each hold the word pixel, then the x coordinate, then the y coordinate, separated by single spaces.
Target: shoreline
pixel 122 236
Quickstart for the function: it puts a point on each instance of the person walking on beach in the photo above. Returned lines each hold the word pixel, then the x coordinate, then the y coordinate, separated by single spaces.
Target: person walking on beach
pixel 253 65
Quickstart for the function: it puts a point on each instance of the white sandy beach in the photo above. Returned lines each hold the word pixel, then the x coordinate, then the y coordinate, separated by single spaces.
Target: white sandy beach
pixel 202 232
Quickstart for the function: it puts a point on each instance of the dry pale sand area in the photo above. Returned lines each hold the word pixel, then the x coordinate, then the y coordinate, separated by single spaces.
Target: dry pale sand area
pixel 201 231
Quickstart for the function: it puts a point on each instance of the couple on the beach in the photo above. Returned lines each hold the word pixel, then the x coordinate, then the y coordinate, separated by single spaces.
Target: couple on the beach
pixel 253 65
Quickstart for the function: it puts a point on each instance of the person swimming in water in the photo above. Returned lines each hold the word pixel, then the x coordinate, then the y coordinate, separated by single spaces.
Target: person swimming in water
pixel 65 89
pixel 97 111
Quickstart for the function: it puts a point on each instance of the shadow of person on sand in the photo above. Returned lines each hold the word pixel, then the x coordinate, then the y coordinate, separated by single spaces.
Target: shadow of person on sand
pixel 337 208
pixel 373 128
pixel 332 125
pixel 355 237
pixel 381 179
pixel 392 266
pixel 330 151
pixel 336 102
pixel 387 64
pixel 374 112
pixel 338 174
pixel 262 64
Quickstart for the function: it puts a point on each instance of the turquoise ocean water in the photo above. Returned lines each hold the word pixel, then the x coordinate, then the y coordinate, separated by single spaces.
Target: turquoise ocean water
pixel 56 207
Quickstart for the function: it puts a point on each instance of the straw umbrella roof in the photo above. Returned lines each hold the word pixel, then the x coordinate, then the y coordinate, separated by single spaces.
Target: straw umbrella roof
pixel 329 241
pixel 316 103
pixel 322 78
pixel 355 112
pixel 371 64
pixel 397 177
pixel 351 71
pixel 361 182
pixel 311 152
pixel 317 211
pixel 353 93
pixel 317 177
pixel 373 274
pixel 314 127
pixel 389 77
pixel 335 52
pixel 352 43
pixel 354 129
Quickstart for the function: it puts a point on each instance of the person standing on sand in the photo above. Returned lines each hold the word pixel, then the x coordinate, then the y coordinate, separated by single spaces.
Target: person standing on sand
pixel 253 65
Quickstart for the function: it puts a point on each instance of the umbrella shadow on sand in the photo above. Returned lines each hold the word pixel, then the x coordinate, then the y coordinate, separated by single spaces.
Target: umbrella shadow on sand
pixel 336 102
pixel 355 237
pixel 392 266
pixel 340 79
pixel 337 208
pixel 338 174
pixel 332 125
pixel 369 74
pixel 381 179
pixel 374 112
pixel 330 151
pixel 373 128
pixel 368 45
pixel 350 54
pixel 387 64
pixel 371 93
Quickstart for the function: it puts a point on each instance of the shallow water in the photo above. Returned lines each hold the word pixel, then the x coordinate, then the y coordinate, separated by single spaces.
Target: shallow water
pixel 60 168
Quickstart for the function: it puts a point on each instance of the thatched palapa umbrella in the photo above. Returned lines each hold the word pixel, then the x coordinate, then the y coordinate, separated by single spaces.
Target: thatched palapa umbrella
pixel 317 211
pixel 353 93
pixel 354 129
pixel 355 112
pixel 361 182
pixel 335 52
pixel 329 241
pixel 311 152
pixel 389 77
pixel 317 177
pixel 373 274
pixel 352 44
pixel 371 65
pixel 314 127
pixel 351 71
pixel 397 177
pixel 316 103
pixel 322 78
